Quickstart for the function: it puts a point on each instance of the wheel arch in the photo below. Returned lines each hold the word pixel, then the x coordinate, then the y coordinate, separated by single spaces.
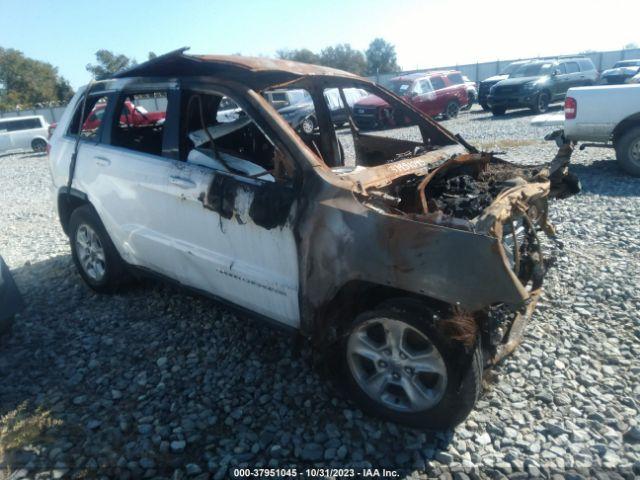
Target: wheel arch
pixel 68 201
pixel 625 125
pixel 354 298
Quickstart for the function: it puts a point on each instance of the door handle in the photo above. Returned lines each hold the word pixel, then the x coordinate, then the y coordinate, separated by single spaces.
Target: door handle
pixel 181 182
pixel 102 161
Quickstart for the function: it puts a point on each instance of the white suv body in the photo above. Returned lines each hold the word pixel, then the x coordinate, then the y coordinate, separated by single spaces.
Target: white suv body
pixel 338 235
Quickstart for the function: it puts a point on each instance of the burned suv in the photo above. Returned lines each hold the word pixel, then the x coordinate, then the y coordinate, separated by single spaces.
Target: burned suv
pixel 406 256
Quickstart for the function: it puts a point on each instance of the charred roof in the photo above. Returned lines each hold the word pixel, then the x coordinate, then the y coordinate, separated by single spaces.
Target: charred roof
pixel 258 72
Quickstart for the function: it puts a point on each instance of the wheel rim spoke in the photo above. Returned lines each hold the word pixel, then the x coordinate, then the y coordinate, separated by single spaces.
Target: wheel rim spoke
pixel 429 362
pixel 365 348
pixel 378 382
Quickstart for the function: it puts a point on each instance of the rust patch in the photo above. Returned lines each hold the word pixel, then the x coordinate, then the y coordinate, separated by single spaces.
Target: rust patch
pixel 461 326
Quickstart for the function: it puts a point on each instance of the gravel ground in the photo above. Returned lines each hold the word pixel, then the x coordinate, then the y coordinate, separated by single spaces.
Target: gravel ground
pixel 157 382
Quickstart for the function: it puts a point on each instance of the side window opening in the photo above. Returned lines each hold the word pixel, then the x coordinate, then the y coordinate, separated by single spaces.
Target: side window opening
pixel 217 133
pixel 382 133
pixel 572 67
pixel 438 83
pixel 139 121
pixel 95 107
pixel 455 78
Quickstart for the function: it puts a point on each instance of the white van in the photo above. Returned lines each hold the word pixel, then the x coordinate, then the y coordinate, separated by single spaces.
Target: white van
pixel 23 133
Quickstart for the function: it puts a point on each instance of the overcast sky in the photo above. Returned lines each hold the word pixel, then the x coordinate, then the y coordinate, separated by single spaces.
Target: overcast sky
pixel 426 33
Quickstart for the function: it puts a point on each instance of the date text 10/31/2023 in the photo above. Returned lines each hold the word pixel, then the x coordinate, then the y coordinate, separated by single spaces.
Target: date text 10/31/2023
pixel 314 473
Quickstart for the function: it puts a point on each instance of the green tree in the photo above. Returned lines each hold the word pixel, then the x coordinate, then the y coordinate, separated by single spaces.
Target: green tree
pixel 27 82
pixel 303 55
pixel 343 57
pixel 631 46
pixel 108 64
pixel 152 55
pixel 381 57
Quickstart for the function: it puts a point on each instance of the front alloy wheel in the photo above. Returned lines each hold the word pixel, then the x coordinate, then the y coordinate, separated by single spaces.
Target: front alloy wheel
pixel 396 365
pixel 542 103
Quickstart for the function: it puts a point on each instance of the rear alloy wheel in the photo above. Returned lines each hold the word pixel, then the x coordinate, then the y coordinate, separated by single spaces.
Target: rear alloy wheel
pixel 94 255
pixel 497 111
pixel 628 152
pixel 308 125
pixel 38 145
pixel 452 110
pixel 542 103
pixel 397 365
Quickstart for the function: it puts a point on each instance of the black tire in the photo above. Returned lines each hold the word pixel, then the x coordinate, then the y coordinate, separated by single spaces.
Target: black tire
pixel 38 145
pixel 472 100
pixel 542 103
pixel 485 107
pixel 464 369
pixel 115 272
pixel 308 125
pixel 451 110
pixel 5 325
pixel 628 151
pixel 498 111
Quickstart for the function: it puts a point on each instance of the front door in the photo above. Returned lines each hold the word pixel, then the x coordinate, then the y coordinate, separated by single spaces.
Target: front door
pixel 232 212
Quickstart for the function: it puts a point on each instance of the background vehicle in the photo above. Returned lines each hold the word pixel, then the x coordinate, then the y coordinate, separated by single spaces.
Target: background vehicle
pixel 487 83
pixel 334 101
pixel 472 92
pixel 18 134
pixel 538 83
pixel 296 107
pixel 621 72
pixel 10 299
pixel 132 115
pixel 434 93
pixel 606 116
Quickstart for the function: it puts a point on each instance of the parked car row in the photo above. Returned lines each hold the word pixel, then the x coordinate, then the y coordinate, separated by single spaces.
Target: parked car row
pixel 536 83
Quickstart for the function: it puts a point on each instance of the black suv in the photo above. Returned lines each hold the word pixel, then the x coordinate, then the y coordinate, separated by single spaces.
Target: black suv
pixel 540 82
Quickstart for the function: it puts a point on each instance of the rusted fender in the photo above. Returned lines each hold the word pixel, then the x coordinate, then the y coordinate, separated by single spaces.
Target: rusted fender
pixel 511 203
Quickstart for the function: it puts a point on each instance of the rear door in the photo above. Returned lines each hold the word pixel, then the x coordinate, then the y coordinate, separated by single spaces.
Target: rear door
pixel 124 168
pixel 442 95
pixel 425 99
pixel 560 81
pixel 575 77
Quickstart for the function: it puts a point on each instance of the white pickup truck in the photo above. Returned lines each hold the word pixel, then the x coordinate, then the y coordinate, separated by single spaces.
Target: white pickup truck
pixel 606 116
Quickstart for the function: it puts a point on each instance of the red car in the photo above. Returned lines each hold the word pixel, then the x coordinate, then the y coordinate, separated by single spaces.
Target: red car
pixel 133 116
pixel 434 93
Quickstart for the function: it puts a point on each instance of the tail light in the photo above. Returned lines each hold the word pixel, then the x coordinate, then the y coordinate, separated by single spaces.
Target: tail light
pixel 570 108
